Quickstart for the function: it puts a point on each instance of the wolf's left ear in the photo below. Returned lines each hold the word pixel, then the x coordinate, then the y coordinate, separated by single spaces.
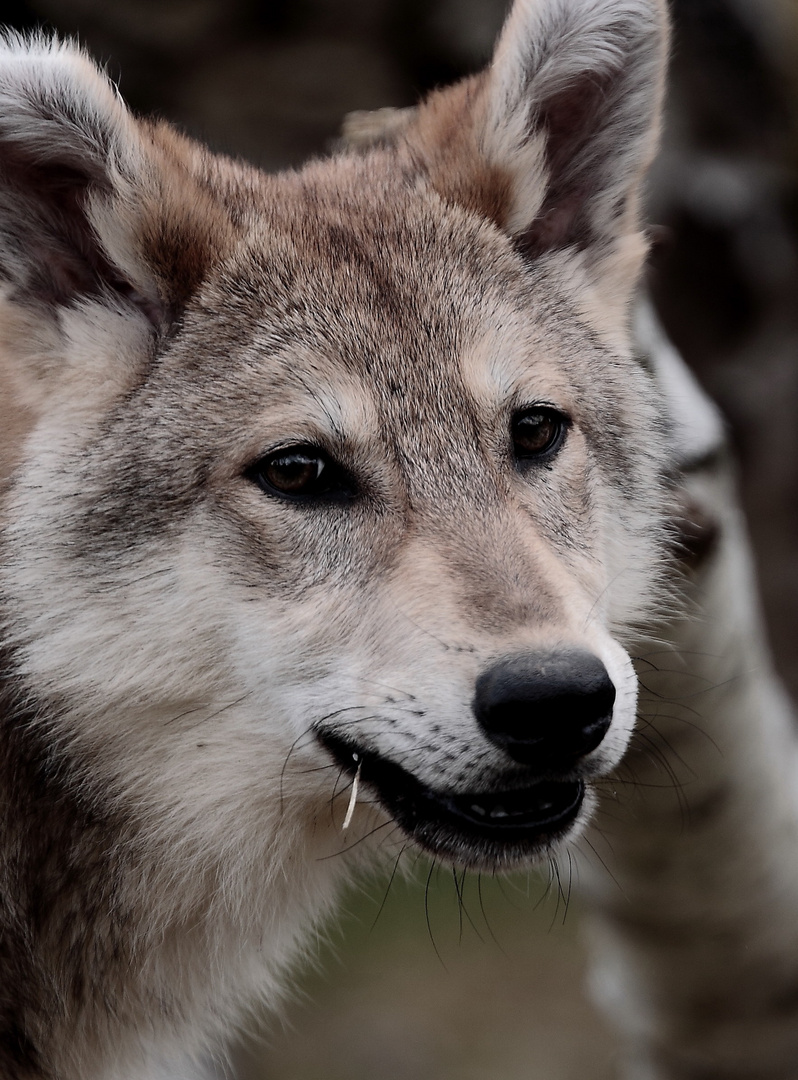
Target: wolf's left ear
pixel 553 141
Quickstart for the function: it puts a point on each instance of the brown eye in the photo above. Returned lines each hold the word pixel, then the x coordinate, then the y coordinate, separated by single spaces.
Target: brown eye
pixel 299 472
pixel 538 433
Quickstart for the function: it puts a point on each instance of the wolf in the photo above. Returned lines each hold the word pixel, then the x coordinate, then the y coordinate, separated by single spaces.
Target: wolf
pixel 333 501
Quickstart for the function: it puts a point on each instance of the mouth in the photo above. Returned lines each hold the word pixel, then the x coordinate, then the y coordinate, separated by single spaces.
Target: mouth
pixel 484 830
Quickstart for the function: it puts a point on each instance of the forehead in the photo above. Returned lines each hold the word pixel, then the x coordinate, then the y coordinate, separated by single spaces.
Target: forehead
pixel 356 293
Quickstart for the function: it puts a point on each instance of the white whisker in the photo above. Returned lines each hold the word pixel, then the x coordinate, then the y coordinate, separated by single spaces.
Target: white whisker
pixel 352 798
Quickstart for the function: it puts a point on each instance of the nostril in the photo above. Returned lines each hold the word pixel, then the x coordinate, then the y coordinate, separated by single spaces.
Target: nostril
pixel 546 710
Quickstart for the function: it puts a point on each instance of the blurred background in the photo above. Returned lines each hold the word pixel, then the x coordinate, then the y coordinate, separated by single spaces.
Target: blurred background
pixel 412 984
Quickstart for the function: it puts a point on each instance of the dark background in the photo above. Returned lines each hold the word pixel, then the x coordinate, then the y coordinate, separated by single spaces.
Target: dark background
pixel 270 81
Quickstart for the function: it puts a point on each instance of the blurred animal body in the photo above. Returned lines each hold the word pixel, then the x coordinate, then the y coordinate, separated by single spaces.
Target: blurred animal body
pixel 348 476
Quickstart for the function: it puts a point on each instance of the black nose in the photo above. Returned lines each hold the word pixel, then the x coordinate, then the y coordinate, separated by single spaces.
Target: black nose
pixel 546 710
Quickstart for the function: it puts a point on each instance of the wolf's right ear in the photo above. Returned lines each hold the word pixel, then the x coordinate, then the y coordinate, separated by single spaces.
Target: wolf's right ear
pixel 104 229
pixel 553 140
pixel 67 145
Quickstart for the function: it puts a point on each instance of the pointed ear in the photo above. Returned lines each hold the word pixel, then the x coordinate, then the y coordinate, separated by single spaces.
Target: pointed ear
pixel 553 141
pixel 102 222
pixel 67 144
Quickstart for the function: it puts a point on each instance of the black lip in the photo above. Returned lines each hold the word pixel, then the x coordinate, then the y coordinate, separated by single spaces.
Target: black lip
pixel 485 829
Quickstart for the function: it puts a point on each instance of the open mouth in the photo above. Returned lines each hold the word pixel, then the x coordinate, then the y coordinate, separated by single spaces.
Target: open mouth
pixel 486 829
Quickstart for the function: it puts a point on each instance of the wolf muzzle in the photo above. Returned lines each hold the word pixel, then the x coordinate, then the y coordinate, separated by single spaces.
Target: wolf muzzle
pixel 545 712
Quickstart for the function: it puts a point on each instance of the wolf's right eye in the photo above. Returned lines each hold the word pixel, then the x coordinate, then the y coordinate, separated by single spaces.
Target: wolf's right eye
pixel 300 472
pixel 538 433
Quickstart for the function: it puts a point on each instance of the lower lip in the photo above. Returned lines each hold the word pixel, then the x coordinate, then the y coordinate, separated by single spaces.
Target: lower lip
pixel 485 833
pixel 540 809
pixel 512 825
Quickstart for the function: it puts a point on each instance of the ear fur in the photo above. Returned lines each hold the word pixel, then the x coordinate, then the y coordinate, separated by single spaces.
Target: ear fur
pixel 66 140
pixel 553 141
pixel 106 225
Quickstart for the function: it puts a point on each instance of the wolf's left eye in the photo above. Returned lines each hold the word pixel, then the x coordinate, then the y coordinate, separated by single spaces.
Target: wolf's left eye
pixel 538 433
pixel 300 472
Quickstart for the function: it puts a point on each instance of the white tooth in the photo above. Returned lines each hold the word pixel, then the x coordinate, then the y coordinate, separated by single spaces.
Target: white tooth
pixel 478 809
pixel 498 811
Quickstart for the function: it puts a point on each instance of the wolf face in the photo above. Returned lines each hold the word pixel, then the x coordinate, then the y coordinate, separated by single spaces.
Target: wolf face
pixel 340 477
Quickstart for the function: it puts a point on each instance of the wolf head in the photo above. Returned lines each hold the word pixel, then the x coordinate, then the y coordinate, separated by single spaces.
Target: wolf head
pixel 343 475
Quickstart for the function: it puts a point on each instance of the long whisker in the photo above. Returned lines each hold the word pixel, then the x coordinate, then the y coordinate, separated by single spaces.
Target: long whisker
pixel 388 886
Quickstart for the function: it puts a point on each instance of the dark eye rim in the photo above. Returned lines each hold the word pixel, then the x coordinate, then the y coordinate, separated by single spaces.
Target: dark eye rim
pixel 339 485
pixel 562 424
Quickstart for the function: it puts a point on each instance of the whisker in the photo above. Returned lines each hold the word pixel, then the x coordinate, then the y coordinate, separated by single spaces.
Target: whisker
pixel 593 848
pixel 485 917
pixel 460 890
pixel 427 916
pixel 211 716
pixel 388 887
pixel 360 840
pixel 294 744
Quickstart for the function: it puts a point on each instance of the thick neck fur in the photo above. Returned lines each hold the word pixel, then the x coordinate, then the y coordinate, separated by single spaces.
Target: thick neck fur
pixel 91 964
pixel 62 870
